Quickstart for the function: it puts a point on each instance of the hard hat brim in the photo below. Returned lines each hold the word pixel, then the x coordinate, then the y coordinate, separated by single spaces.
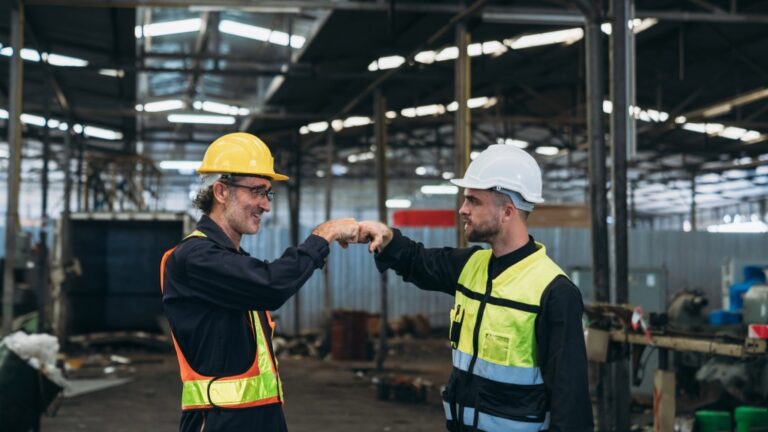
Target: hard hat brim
pixel 469 184
pixel 273 176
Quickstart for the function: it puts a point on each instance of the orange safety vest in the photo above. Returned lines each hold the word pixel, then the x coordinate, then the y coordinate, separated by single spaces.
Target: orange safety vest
pixel 259 385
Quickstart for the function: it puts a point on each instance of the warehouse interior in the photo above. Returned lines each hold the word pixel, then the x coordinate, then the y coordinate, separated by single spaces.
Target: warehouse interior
pixel 652 139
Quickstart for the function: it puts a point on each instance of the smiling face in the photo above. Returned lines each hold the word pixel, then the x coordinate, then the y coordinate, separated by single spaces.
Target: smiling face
pixel 482 215
pixel 246 203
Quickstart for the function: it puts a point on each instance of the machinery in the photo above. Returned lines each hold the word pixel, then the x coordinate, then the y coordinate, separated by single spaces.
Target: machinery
pixel 756 305
pixel 754 276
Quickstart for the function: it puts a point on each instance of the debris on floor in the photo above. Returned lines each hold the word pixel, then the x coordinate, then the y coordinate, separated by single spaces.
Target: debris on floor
pixel 78 387
pixel 401 388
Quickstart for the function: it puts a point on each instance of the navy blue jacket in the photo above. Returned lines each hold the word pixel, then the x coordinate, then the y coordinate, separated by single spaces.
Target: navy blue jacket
pixel 208 288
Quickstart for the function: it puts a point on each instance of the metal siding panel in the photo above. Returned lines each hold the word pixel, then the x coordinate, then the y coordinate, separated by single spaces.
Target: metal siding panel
pixel 691 260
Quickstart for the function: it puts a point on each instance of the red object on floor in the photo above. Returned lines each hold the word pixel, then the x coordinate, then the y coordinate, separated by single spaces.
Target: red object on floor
pixel 758 331
pixel 424 218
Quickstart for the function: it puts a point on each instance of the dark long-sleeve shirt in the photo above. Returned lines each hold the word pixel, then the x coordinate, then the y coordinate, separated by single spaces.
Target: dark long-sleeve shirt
pixel 559 336
pixel 209 286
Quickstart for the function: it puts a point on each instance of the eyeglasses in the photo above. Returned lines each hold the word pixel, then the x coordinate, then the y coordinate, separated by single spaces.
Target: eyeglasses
pixel 256 191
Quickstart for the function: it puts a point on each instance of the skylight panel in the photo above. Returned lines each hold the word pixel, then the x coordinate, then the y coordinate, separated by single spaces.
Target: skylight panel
pixel 168 28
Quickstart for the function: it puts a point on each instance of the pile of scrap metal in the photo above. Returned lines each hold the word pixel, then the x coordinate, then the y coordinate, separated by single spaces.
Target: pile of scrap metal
pixel 715 365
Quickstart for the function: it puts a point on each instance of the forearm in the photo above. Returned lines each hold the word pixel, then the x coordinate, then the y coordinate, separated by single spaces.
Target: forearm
pixel 428 269
pixel 242 282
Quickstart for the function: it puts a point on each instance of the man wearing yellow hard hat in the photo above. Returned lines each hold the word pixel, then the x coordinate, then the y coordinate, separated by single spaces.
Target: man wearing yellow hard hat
pixel 217 297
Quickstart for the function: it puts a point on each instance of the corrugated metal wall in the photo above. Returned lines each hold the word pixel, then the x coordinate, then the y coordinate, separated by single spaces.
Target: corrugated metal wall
pixel 691 260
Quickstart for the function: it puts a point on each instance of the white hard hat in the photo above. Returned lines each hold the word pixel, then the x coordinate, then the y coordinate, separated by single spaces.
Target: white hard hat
pixel 505 167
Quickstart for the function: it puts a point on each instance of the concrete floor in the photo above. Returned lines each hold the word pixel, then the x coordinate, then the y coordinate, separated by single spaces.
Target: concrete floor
pixel 320 395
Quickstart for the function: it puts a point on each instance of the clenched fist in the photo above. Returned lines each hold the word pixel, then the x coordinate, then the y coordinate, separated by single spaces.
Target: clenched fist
pixel 343 231
pixel 378 234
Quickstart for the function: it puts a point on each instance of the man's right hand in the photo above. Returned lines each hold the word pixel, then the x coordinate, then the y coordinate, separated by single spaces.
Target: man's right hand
pixel 342 230
pixel 375 232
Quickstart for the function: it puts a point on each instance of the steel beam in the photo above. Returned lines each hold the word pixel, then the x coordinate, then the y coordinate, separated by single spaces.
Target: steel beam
pixel 597 186
pixel 546 16
pixel 14 161
pixel 622 143
pixel 462 119
pixel 294 202
pixel 42 261
pixel 693 201
pixel 720 18
pixel 329 156
pixel 380 130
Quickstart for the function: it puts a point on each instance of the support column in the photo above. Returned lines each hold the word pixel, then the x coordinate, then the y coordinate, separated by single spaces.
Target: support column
pixel 60 311
pixel 42 259
pixel 328 289
pixel 80 162
pixel 294 200
pixel 694 223
pixel 632 209
pixel 462 87
pixel 14 160
pixel 622 145
pixel 597 191
pixel 380 130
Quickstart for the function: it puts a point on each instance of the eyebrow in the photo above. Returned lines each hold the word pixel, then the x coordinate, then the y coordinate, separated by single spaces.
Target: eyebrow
pixel 257 187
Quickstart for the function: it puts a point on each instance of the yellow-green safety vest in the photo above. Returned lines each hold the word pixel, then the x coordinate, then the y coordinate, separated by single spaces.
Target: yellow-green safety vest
pixel 497 384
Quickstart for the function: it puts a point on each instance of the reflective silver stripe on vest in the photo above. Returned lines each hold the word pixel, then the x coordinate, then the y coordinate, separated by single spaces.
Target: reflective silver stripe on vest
pixel 489 423
pixel 496 372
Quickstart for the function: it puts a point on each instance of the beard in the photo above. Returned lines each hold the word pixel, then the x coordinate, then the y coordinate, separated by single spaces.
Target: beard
pixel 482 233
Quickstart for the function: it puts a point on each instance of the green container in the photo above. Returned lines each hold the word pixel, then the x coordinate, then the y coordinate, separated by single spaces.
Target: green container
pixel 713 421
pixel 24 392
pixel 751 419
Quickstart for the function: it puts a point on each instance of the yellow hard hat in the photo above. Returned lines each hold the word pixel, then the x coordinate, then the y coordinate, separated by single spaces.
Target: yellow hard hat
pixel 239 153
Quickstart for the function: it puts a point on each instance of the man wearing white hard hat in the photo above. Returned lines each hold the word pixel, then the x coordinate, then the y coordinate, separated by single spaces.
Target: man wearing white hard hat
pixel 519 361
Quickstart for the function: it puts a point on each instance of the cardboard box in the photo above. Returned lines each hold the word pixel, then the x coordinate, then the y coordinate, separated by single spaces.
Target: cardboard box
pixel 597 344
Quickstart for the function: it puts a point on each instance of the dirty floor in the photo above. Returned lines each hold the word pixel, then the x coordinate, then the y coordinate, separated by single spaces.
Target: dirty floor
pixel 320 395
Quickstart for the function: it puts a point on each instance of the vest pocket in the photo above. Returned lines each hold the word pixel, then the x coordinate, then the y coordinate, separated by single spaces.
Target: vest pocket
pixel 520 403
pixel 495 347
pixel 457 319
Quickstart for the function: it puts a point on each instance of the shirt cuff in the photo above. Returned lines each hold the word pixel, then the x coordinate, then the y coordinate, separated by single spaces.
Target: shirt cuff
pixel 391 254
pixel 317 248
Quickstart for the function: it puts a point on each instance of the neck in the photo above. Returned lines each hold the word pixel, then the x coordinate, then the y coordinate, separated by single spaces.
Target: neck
pixel 511 241
pixel 234 236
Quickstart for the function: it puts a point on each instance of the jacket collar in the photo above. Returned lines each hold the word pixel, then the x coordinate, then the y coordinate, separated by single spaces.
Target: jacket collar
pixel 215 233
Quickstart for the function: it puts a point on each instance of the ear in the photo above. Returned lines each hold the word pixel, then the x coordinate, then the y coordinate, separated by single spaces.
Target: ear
pixel 220 192
pixel 510 211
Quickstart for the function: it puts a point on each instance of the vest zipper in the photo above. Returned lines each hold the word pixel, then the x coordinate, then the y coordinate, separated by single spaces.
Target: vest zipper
pixel 476 347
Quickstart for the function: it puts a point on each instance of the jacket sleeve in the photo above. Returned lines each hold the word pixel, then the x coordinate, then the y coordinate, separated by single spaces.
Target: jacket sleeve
pixel 231 280
pixel 435 269
pixel 564 360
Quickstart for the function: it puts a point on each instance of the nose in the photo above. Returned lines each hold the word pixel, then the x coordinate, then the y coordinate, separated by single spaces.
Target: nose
pixel 265 205
pixel 464 209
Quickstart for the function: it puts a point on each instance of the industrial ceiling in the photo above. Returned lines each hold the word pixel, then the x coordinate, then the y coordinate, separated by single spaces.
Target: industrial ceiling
pixel 292 71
